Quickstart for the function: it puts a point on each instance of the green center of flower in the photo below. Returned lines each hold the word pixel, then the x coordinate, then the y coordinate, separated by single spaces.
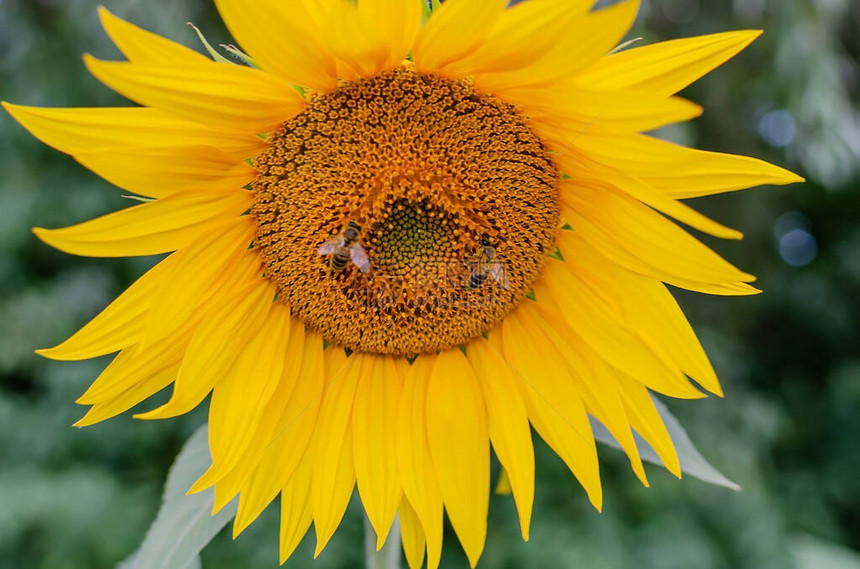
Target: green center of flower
pixel 411 237
pixel 404 214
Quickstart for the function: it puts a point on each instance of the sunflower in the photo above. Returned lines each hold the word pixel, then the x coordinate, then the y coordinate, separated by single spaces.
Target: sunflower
pixel 398 240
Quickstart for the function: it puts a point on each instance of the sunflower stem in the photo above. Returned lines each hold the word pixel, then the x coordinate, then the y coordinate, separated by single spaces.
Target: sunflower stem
pixel 389 556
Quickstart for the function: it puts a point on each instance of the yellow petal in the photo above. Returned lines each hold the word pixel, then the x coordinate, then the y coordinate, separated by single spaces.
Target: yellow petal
pixel 342 485
pixel 296 513
pixel 160 171
pixel 132 364
pixel 220 259
pixel 523 34
pixel 412 534
pixel 333 467
pixel 595 379
pixel 239 399
pixel 282 456
pixel 355 41
pixel 640 239
pixel 508 424
pixel 374 439
pixel 601 328
pixel 148 229
pixel 134 375
pixel 455 30
pixel 653 311
pixel 413 456
pixel 555 408
pixel 503 484
pixel 678 171
pixel 215 345
pixel 282 39
pixel 230 97
pixel 667 67
pixel 141 46
pixel 284 432
pixel 612 179
pixel 116 327
pixel 584 41
pixel 140 390
pixel 564 114
pixel 251 450
pixel 647 422
pixel 646 309
pixel 458 439
pixel 396 22
pixel 720 173
pixel 76 131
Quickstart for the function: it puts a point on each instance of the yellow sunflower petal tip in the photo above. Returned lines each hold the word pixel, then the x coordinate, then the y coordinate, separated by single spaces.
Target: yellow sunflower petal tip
pixel 42 233
pixel 240 525
pixel 199 486
pixel 791 178
pixel 150 415
pixel 28 117
pixel 112 24
pixel 87 420
pixel 503 485
pixel 741 38
pixel 58 353
pixel 318 549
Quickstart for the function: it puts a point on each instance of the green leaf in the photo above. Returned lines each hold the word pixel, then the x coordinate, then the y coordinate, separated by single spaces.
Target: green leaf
pixel 184 524
pixel 131 563
pixel 812 553
pixel 692 461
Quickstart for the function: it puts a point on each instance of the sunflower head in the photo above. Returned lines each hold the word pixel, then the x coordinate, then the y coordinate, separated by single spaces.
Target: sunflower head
pixel 394 244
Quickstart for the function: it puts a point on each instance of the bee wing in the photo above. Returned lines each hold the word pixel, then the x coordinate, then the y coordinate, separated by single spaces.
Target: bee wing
pixel 498 272
pixel 359 258
pixel 330 246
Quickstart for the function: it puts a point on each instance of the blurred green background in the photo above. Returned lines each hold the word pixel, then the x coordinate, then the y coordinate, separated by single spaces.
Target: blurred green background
pixel 787 430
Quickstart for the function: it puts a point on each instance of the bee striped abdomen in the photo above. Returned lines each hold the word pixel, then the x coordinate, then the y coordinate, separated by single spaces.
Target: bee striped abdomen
pixel 340 259
pixel 476 279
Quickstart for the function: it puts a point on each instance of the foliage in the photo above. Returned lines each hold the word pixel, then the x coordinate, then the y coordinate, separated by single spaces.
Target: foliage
pixel 184 524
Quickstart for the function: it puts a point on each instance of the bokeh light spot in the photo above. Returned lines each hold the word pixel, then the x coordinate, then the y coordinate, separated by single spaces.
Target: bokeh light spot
pixel 797 246
pixel 778 128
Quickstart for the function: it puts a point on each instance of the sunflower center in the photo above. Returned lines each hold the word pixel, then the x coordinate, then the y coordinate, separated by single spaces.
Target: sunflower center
pixel 411 236
pixel 404 214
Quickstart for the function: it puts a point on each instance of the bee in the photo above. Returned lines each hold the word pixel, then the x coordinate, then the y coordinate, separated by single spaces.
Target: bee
pixel 487 265
pixel 345 248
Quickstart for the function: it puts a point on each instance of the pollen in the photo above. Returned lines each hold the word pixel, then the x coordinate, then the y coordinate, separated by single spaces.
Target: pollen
pixel 455 197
